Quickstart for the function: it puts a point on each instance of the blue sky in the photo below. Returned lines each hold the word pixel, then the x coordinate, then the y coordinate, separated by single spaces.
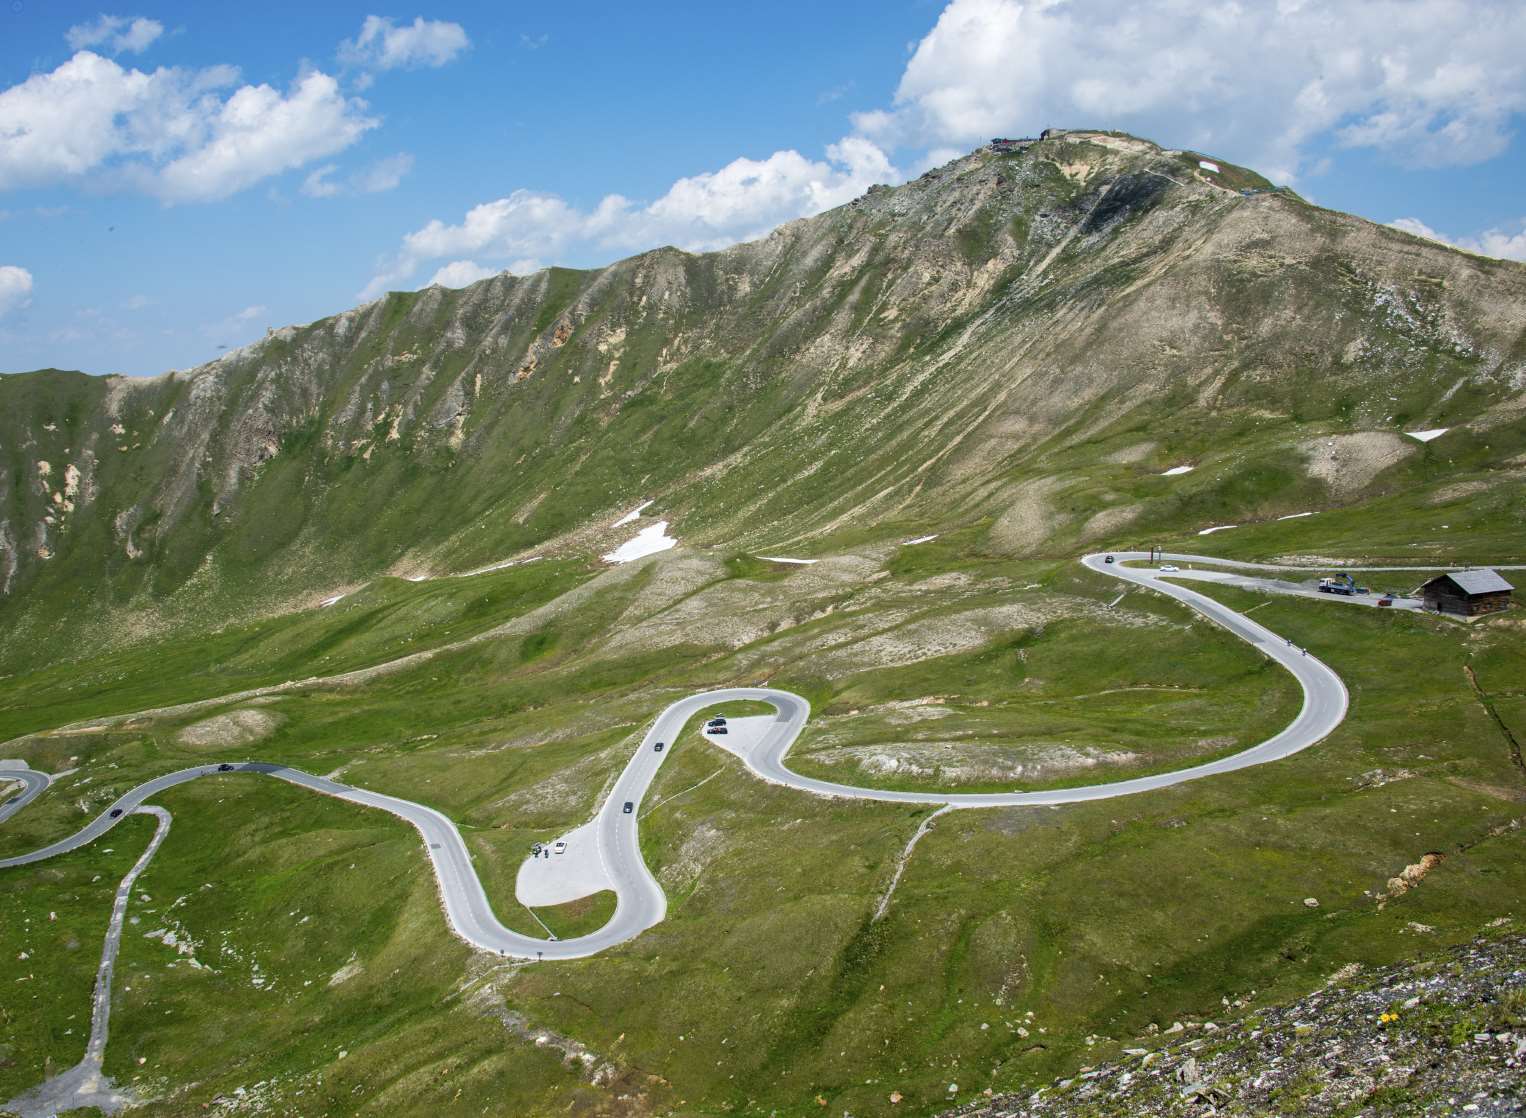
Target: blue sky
pixel 175 178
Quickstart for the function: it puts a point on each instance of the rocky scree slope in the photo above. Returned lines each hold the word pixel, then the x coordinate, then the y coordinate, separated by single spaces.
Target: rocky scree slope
pixel 975 344
pixel 1446 1035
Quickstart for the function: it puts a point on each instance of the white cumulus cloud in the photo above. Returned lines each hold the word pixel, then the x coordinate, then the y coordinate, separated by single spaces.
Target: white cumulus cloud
pixel 319 184
pixel 15 289
pixel 1427 82
pixel 174 133
pixel 1418 228
pixel 259 132
pixel 238 327
pixel 383 45
pixel 115 34
pixel 1500 243
pixel 384 174
pixel 462 273
pixel 744 199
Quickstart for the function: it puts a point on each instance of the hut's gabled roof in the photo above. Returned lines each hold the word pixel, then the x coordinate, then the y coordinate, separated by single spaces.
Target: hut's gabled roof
pixel 1476 582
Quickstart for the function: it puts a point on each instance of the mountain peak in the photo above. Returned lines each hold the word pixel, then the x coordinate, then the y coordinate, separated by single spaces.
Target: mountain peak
pixel 941 348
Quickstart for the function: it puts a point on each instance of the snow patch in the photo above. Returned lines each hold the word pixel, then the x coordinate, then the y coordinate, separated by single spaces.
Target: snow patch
pixel 1208 165
pixel 1217 528
pixel 331 601
pixel 782 559
pixel 648 541
pixel 635 514
pixel 1174 471
pixel 503 566
pixel 346 972
pixel 1295 515
pixel 1427 436
pixel 919 539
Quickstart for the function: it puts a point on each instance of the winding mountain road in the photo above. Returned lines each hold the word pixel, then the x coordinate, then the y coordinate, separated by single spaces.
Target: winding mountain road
pixel 32 783
pixel 641 902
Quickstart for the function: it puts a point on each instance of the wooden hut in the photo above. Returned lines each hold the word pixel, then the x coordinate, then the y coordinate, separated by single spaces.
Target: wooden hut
pixel 1467 593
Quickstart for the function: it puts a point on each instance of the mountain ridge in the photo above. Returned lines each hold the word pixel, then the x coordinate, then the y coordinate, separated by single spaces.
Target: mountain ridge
pixel 933 349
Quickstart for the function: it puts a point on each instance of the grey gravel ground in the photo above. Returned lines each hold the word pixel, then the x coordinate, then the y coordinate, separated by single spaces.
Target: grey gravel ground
pixel 1446 1036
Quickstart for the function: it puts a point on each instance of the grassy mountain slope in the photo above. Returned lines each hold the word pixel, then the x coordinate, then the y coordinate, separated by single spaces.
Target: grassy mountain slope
pixel 1028 337
pixel 769 984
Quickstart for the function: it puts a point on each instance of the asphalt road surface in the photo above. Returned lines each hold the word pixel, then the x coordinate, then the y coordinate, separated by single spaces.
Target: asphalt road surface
pixel 32 783
pixel 640 900
pixel 1324 706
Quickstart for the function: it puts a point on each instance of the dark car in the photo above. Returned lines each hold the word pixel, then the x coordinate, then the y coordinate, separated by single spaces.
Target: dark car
pixel 1109 559
pixel 716 730
pixel 225 768
pixel 629 807
pixel 716 722
pixel 116 811
pixel 657 748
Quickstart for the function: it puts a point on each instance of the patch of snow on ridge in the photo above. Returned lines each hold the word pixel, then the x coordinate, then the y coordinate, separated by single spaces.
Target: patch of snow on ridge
pixel 1217 528
pixel 635 514
pixel 1208 164
pixel 1174 471
pixel 1427 436
pixel 919 539
pixel 782 559
pixel 505 565
pixel 331 601
pixel 1294 515
pixel 648 541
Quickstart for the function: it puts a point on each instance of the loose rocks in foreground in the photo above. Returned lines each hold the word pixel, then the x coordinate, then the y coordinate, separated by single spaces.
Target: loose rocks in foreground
pixel 1444 1036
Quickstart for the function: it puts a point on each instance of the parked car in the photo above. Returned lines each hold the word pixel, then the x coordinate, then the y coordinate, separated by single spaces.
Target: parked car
pixel 1168 568
pixel 225 768
pixel 560 847
pixel 629 807
pixel 1385 601
pixel 716 730
pixel 657 748
pixel 116 811
pixel 716 722
pixel 1109 559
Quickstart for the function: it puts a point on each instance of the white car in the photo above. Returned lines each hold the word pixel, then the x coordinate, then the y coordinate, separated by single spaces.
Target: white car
pixel 560 847
pixel 1168 568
